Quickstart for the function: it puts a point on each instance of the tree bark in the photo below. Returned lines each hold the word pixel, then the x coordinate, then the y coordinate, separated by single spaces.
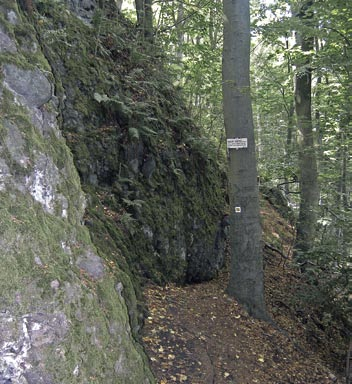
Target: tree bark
pixel 309 189
pixel 148 20
pixel 246 274
pixel 144 13
pixel 180 31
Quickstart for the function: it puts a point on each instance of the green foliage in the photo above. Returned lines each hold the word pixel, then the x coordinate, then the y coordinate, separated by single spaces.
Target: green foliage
pixel 192 35
pixel 276 59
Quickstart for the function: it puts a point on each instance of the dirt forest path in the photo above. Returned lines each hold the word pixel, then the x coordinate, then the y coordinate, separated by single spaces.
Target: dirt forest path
pixel 198 335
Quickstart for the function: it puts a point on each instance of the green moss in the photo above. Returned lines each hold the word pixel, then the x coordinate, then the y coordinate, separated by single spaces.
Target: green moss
pixel 138 224
pixel 30 56
pixel 103 327
pixel 39 253
pixel 96 65
pixel 186 188
pixel 97 303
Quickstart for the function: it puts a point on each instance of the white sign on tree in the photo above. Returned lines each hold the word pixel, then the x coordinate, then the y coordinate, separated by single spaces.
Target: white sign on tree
pixel 237 143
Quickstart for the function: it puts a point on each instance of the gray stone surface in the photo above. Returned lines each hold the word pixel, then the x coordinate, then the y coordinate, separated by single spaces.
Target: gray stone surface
pixel 92 264
pixel 31 86
pixel 84 9
pixel 5 174
pixel 6 43
pixel 16 144
pixel 20 355
pixel 12 17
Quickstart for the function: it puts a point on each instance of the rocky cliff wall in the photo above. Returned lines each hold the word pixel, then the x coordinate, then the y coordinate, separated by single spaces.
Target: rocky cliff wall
pixel 156 191
pixel 63 317
pixel 104 180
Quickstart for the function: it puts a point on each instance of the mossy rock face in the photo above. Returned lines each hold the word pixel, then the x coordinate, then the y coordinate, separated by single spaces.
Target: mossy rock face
pixel 63 312
pixel 83 105
pixel 156 189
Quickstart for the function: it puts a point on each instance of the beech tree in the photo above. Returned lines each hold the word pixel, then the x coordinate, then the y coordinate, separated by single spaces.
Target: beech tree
pixel 246 276
pixel 309 196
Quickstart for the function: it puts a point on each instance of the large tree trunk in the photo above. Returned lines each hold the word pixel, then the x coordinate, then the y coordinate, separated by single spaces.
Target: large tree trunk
pixel 309 189
pixel 246 276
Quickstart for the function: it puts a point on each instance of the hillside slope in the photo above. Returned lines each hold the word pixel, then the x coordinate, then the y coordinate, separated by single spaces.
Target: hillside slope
pixel 197 334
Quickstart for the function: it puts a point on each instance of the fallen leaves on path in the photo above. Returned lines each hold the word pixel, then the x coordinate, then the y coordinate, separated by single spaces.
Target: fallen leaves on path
pixel 198 335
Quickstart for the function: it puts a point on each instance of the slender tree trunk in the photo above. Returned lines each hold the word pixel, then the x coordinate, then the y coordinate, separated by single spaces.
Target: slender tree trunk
pixel 148 20
pixel 246 275
pixel 180 32
pixel 347 135
pixel 344 156
pixel 139 4
pixel 309 189
pixel 145 17
pixel 290 114
pixel 213 28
